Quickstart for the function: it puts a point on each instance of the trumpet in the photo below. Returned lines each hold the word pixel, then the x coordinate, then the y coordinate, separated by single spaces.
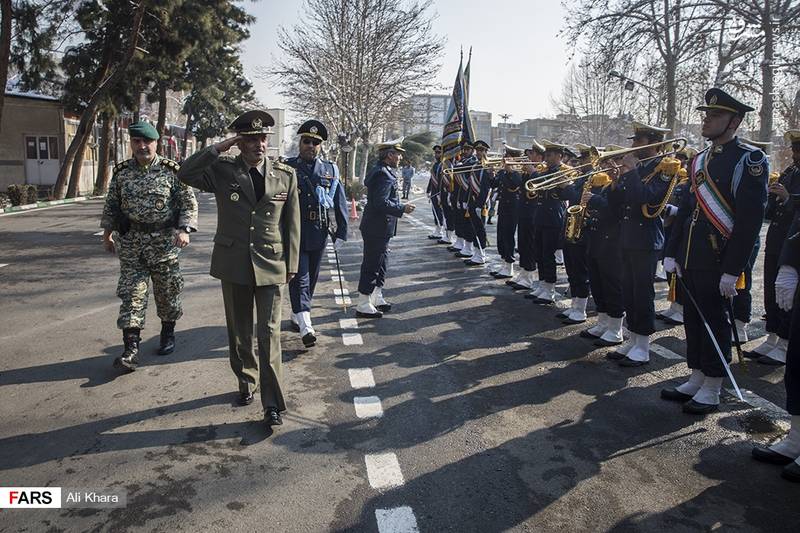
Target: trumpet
pixel 567 177
pixel 491 163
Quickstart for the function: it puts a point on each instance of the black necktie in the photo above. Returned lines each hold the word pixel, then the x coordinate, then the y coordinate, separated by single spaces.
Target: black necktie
pixel 258 183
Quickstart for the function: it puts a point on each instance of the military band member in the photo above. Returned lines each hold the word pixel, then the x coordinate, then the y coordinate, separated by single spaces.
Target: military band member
pixel 717 227
pixel 548 222
pixel 508 183
pixel 434 192
pixel 446 191
pixel 604 257
pixel 479 188
pixel 575 261
pixel 147 219
pixel 526 216
pixel 639 189
pixel 323 212
pixel 782 206
pixel 256 250
pixel 787 451
pixel 378 225
pixel 463 246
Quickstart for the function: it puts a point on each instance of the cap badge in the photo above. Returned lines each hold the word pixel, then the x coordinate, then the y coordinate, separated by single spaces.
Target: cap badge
pixel 256 124
pixel 713 99
pixel 313 129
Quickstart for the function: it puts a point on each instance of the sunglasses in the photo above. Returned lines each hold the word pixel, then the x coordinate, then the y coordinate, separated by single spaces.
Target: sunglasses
pixel 309 140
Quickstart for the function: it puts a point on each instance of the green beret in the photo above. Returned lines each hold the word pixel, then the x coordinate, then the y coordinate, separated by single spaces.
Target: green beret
pixel 143 130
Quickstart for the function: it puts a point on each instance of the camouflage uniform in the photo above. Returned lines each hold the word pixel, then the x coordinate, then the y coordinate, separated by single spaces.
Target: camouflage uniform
pixel 155 203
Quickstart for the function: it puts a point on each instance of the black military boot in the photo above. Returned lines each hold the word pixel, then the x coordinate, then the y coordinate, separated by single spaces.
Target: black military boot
pixel 167 343
pixel 128 359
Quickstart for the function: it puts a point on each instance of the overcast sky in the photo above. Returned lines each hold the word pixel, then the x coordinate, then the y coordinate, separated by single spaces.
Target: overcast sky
pixel 518 62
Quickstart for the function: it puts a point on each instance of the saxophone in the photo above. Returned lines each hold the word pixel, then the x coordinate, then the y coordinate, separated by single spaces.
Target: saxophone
pixel 576 216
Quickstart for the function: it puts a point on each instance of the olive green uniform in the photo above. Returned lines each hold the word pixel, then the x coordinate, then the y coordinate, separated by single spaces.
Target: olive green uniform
pixel 144 205
pixel 257 242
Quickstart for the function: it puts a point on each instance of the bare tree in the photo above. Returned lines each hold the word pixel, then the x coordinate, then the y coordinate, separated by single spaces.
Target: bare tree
pixel 351 63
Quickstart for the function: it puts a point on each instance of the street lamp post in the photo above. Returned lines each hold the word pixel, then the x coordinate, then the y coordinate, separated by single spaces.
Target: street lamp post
pixel 346 148
pixel 630 84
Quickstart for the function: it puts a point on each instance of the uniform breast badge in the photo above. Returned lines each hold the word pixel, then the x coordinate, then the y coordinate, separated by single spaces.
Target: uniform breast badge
pixel 755 170
pixel 159 204
pixel 700 177
pixel 234 196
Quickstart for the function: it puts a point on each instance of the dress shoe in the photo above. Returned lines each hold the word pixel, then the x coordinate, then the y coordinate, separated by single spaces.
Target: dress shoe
pixel 631 363
pixel 166 343
pixel 563 313
pixel 571 321
pixel 543 301
pixel 765 455
pixel 453 249
pixel 442 241
pixel 309 339
pixel 433 237
pixel 749 354
pixel 502 276
pixel 272 417
pixel 671 321
pixel 791 472
pixel 245 398
pixel 696 408
pixel 384 308
pixel 605 344
pixel 586 334
pixel 471 263
pixel 615 356
pixel 674 395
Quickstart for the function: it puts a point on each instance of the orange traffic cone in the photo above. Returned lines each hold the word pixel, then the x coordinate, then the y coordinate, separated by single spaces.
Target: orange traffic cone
pixel 353 212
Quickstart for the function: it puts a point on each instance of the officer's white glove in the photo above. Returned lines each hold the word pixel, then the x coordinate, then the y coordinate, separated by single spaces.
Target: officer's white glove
pixel 337 244
pixel 727 285
pixel 670 265
pixel 785 287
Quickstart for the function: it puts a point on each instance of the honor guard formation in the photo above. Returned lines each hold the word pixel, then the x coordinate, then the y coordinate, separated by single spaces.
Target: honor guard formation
pixel 619 220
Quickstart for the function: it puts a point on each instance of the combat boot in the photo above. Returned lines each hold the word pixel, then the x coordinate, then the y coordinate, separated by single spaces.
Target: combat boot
pixel 129 360
pixel 167 342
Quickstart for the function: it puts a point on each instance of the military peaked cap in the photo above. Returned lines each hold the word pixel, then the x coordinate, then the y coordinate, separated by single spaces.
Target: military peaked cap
pixel 651 132
pixel 395 144
pixel 536 146
pixel 716 98
pixel 550 146
pixel 314 129
pixel 480 144
pixel 143 130
pixel 255 122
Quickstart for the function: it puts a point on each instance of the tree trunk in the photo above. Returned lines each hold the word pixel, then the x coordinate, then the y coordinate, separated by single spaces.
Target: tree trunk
pixel 162 116
pixel 88 114
pixel 5 51
pixel 101 184
pixel 77 165
pixel 794 114
pixel 670 64
pixel 767 76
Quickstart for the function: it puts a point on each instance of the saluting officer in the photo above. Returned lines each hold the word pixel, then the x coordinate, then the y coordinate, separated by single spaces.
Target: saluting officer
pixel 782 206
pixel 434 192
pixel 323 211
pixel 717 226
pixel 787 451
pixel 378 225
pixel 256 250
pixel 640 186
pixel 152 214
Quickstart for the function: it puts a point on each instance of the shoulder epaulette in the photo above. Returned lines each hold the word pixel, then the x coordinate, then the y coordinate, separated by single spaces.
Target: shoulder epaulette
pixel 122 165
pixel 227 158
pixel 282 166
pixel 170 164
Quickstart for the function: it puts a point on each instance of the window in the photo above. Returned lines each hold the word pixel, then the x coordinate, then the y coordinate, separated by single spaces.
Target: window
pixel 30 148
pixel 43 149
pixel 53 147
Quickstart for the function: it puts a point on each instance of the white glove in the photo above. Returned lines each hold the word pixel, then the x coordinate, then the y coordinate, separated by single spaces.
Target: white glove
pixel 671 210
pixel 337 244
pixel 785 287
pixel 670 265
pixel 727 285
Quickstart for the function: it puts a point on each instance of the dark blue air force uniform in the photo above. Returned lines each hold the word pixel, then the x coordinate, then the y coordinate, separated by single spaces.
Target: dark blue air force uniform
pixel 604 253
pixel 378 225
pixel 642 240
pixel 315 224
pixel 739 172
pixel 476 201
pixel 434 192
pixel 575 262
pixel 790 255
pixel 548 221
pixel 508 185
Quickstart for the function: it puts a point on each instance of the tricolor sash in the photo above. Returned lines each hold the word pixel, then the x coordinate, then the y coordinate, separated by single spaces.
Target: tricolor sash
pixel 474 182
pixel 714 205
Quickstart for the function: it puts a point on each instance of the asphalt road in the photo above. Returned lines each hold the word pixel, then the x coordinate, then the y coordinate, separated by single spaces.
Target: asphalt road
pixel 486 414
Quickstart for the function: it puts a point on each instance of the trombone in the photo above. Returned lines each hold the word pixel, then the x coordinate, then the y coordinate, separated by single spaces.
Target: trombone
pixel 569 176
pixel 491 163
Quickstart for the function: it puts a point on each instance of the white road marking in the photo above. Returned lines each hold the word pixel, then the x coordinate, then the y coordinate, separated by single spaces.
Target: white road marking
pixel 368 406
pixel 352 339
pixel 340 292
pixel 343 301
pixel 383 471
pixel 98 233
pixel 664 352
pixel 3 265
pixel 348 323
pixel 397 520
pixel 335 272
pixel 361 378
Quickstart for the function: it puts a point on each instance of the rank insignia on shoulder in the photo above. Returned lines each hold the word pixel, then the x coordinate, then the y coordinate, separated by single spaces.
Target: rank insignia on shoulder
pixel 120 166
pixel 282 166
pixel 170 164
pixel 755 170
pixel 227 158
